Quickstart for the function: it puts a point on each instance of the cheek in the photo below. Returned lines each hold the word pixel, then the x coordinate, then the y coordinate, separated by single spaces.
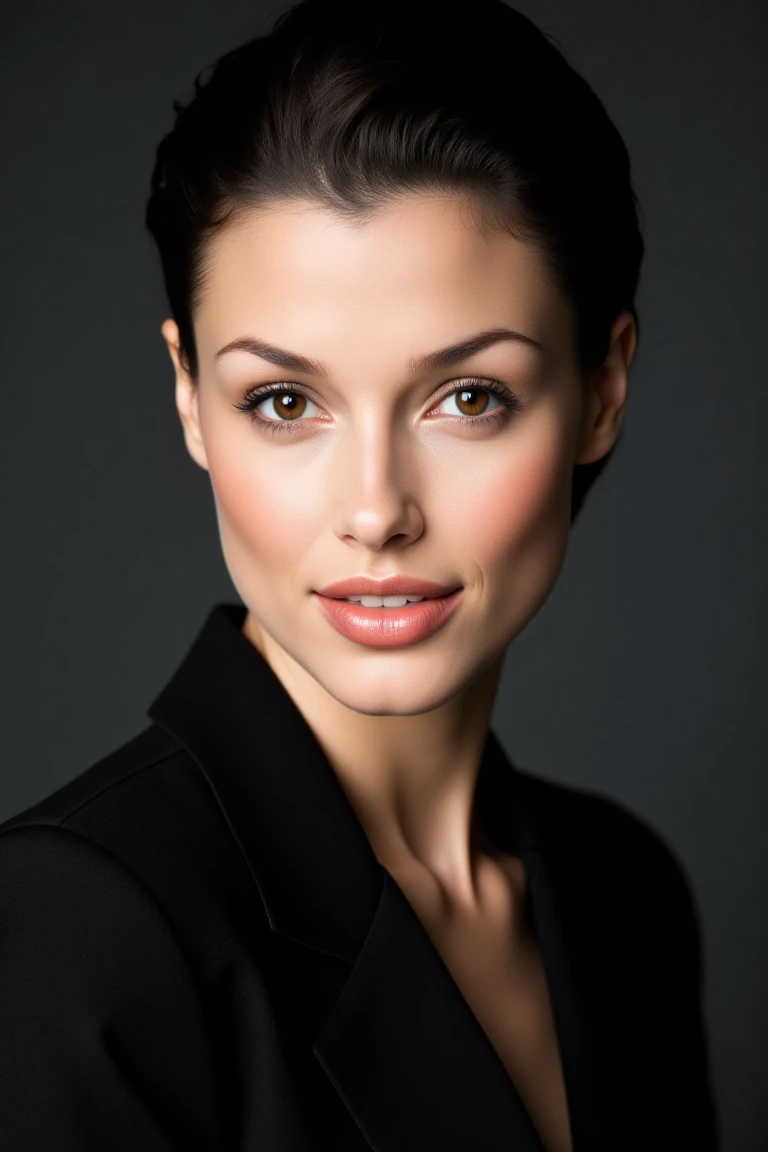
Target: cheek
pixel 265 512
pixel 520 507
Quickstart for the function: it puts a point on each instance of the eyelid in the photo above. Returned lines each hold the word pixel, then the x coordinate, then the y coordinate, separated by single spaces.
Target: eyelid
pixel 482 383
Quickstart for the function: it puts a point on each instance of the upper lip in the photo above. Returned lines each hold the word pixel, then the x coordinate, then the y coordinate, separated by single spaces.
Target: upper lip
pixel 390 586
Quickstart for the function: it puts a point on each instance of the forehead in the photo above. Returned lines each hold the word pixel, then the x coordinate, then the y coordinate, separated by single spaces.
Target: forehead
pixel 418 261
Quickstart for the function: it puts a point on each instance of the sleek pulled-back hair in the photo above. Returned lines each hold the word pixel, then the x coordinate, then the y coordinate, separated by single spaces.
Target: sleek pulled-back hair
pixel 348 104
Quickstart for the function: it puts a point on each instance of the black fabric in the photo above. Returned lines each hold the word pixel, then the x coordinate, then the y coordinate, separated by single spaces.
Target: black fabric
pixel 200 950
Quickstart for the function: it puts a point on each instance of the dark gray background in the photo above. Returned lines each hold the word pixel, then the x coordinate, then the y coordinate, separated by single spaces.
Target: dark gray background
pixel 639 678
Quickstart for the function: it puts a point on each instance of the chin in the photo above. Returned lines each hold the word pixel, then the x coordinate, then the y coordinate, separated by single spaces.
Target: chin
pixel 401 682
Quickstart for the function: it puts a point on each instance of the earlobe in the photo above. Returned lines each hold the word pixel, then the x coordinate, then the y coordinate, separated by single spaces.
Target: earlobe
pixel 607 394
pixel 186 397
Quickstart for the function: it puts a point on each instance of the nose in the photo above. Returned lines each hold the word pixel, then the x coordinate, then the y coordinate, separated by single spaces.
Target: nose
pixel 377 491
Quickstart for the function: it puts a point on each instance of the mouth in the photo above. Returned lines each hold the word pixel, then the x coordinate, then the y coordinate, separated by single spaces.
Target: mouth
pixel 388 621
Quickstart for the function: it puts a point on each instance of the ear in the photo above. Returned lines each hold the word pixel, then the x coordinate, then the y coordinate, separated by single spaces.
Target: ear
pixel 606 393
pixel 187 397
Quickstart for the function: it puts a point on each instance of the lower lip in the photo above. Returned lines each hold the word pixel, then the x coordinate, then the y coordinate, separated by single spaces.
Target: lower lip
pixel 389 627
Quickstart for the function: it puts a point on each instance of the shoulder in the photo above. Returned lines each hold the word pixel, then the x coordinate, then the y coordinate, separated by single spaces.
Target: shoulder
pixel 146 802
pixel 63 898
pixel 118 768
pixel 140 832
pixel 566 813
pixel 76 922
pixel 616 849
pixel 95 963
pixel 101 1013
pixel 633 905
pixel 66 881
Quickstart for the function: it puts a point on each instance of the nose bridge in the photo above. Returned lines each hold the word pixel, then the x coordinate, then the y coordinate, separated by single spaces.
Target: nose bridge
pixel 373 478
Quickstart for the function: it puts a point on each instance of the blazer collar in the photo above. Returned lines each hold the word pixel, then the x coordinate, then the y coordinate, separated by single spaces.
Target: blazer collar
pixel 397 1025
pixel 280 796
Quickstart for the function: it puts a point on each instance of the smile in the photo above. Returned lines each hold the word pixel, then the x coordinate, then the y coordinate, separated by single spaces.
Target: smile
pixel 388 621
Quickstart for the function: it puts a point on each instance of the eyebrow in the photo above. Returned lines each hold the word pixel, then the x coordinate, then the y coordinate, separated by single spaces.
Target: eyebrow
pixel 417 365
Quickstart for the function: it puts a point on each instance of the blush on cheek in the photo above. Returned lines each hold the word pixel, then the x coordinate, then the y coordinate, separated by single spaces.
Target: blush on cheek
pixel 267 518
pixel 518 531
pixel 518 504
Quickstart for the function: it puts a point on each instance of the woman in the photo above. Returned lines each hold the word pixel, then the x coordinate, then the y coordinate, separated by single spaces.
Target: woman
pixel 312 904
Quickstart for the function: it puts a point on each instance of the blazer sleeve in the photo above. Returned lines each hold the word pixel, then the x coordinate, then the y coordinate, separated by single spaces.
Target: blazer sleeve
pixel 102 1035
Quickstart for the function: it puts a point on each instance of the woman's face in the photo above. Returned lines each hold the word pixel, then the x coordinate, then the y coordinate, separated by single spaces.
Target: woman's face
pixel 376 466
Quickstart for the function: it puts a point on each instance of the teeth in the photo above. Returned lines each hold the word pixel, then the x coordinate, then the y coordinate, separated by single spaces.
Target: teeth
pixel 383 601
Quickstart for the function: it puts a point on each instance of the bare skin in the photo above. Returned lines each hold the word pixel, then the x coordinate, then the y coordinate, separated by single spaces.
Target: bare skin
pixel 382 474
pixel 496 963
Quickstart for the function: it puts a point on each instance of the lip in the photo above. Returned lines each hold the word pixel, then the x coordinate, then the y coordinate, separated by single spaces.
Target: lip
pixel 389 586
pixel 388 627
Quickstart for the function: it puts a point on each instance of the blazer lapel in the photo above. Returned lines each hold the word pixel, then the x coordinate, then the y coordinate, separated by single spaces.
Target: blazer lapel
pixel 403 1043
pixel 557 885
pixel 396 1036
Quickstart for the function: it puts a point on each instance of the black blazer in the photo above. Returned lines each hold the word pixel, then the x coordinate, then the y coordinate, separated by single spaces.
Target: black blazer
pixel 200 951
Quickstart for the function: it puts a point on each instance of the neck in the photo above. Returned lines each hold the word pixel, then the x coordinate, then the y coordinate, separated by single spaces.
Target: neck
pixel 410 779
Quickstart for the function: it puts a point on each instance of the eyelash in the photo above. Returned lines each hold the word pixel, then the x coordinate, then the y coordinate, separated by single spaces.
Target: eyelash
pixel 255 395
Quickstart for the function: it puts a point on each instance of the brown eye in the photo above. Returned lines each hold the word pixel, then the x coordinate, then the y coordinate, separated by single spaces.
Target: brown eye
pixel 289 405
pixel 472 401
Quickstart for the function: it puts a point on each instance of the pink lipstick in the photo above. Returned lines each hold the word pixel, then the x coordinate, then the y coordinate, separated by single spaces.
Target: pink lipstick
pixel 387 627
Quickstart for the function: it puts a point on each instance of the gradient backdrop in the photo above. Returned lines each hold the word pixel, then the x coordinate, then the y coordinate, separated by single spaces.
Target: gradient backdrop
pixel 640 676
